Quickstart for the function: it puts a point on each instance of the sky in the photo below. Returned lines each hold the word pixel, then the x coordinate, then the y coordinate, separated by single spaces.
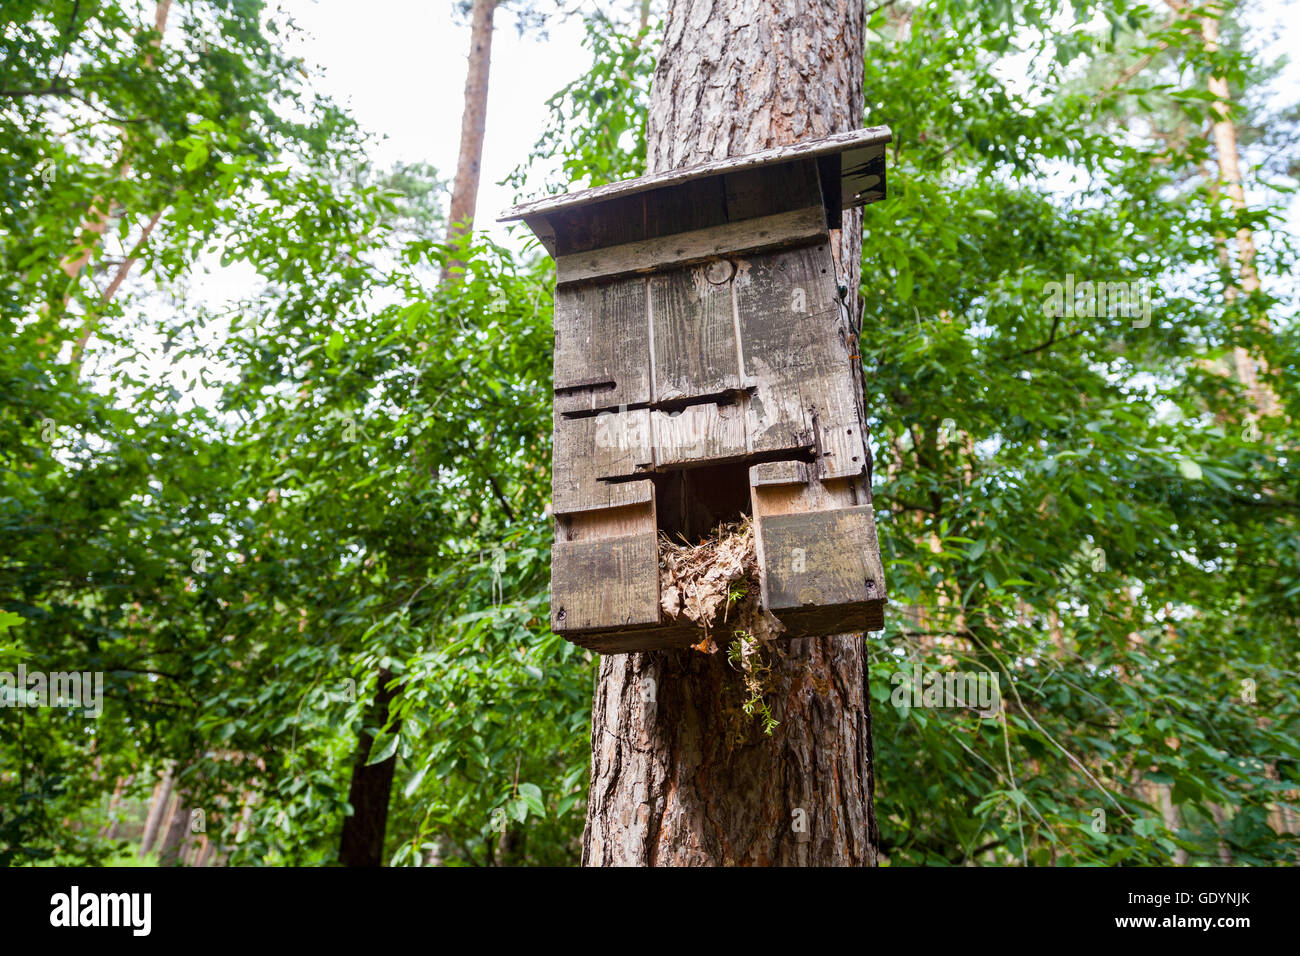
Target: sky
pixel 399 66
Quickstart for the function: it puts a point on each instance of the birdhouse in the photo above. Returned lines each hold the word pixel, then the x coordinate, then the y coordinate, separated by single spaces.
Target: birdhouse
pixel 703 372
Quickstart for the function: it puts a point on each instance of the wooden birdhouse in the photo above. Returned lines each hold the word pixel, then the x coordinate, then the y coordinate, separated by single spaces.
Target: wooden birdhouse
pixel 702 372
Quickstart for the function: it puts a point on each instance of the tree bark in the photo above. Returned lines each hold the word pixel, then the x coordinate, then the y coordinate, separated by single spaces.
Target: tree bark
pixel 114 803
pixel 362 842
pixel 162 796
pixel 1247 366
pixel 169 850
pixel 679 775
pixel 473 124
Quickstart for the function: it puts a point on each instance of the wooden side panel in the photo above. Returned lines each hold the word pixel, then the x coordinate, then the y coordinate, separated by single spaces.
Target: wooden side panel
pixel 602 346
pixel 698 434
pixel 694 332
pixel 605 583
pixel 608 445
pixel 796 359
pixel 822 568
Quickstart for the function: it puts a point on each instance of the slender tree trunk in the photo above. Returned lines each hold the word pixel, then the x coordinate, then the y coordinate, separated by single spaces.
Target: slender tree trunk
pixel 1247 366
pixel 173 840
pixel 362 842
pixel 95 223
pixel 680 776
pixel 473 124
pixel 114 803
pixel 162 796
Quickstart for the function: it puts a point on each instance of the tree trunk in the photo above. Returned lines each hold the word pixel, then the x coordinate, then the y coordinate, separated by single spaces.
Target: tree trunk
pixel 169 851
pixel 679 775
pixel 473 124
pixel 162 797
pixel 362 842
pixel 1248 367
pixel 114 805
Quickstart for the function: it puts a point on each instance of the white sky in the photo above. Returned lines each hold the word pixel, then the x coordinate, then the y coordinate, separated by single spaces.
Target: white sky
pixel 399 66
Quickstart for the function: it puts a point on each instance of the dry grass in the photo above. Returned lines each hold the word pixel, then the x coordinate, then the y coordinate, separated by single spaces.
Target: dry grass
pixel 716 583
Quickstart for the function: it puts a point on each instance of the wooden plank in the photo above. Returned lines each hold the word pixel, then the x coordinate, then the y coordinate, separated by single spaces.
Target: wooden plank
pixel 606 583
pixel 773 474
pixel 841 452
pixel 765 190
pixel 693 331
pixel 862 176
pixel 607 523
pixel 602 346
pixel 874 136
pixel 796 359
pixel 821 559
pixel 697 204
pixel 545 232
pixel 812 495
pixel 787 308
pixel 613 222
pixel 766 232
pixel 697 434
pixel 609 445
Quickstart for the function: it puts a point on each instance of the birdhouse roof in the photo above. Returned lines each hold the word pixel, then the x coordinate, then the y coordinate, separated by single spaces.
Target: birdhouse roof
pixel 855 159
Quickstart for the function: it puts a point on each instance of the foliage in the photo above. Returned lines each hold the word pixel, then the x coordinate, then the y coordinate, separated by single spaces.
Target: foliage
pixel 289 457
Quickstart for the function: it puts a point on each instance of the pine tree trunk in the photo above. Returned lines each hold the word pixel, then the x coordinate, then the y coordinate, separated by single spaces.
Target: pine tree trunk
pixel 473 124
pixel 362 842
pixel 679 775
pixel 162 797
pixel 169 850
pixel 1247 366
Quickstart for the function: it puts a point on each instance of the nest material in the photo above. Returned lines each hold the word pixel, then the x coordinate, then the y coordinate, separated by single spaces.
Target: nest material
pixel 716 582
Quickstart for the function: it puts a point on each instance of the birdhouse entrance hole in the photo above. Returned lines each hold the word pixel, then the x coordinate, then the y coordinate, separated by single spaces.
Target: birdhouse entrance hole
pixel 692 502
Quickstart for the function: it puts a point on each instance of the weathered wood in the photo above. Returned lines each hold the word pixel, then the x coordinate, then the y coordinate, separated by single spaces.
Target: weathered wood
pixel 602 346
pixel 660 637
pixel 613 222
pixel 819 560
pixel 862 177
pixel 698 433
pixel 545 232
pixel 649 255
pixel 693 329
pixel 606 583
pixel 794 353
pixel 764 190
pixel 787 307
pixel 696 204
pixel 587 450
pixel 608 523
pixel 865 142
pixel 772 474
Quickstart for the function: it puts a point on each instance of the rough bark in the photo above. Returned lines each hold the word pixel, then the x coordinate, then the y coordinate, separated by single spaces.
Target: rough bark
pixel 680 776
pixel 362 842
pixel 473 124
